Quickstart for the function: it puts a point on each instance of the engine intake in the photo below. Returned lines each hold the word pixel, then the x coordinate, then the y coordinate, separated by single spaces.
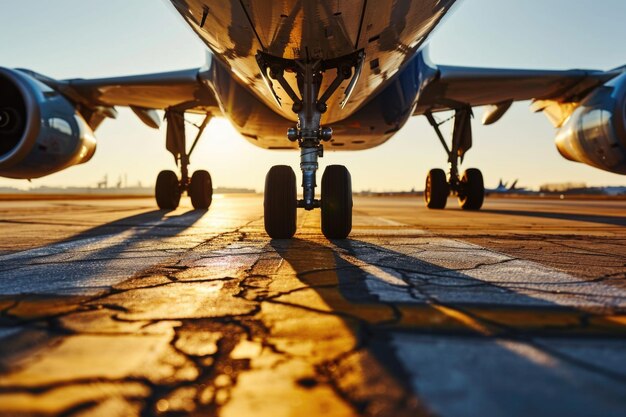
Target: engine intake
pixel 595 133
pixel 40 130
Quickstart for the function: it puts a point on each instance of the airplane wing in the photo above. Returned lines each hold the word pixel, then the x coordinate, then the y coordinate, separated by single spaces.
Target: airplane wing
pixel 154 91
pixel 142 93
pixel 456 87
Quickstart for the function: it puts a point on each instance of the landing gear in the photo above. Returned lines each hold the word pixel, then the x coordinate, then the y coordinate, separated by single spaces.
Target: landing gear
pixel 280 194
pixel 169 187
pixel 469 188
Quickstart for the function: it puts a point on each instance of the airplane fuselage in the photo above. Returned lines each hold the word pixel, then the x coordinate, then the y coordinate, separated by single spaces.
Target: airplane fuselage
pixel 390 33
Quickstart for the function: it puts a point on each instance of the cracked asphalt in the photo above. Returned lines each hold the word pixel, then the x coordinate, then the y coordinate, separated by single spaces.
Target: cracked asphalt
pixel 111 308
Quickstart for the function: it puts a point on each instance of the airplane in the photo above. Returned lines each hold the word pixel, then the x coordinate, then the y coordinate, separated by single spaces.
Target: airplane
pixel 310 75
pixel 505 188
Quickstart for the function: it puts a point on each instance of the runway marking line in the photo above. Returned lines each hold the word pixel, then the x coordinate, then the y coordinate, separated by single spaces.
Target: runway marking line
pixel 487 320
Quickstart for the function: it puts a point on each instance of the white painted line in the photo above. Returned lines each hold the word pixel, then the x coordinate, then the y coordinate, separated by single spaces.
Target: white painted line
pixel 449 270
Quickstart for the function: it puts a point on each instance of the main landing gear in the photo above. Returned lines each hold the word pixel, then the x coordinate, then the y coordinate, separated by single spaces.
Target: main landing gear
pixel 280 202
pixel 169 187
pixel 469 187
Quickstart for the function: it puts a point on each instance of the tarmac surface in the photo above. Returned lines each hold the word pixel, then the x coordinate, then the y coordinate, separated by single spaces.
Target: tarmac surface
pixel 112 308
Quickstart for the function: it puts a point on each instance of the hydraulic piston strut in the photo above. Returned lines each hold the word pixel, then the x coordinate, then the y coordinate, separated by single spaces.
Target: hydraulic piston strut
pixel 308 131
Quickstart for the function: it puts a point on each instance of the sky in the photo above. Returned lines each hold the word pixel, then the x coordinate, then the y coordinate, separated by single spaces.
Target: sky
pixel 77 38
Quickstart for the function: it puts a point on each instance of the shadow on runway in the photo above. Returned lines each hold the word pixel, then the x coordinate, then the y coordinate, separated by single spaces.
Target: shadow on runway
pixel 588 218
pixel 145 222
pixel 96 258
pixel 131 233
pixel 353 279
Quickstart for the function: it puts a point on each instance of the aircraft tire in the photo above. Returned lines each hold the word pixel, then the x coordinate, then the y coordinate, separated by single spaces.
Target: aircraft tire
pixel 201 190
pixel 280 202
pixel 437 190
pixel 167 191
pixel 472 193
pixel 336 202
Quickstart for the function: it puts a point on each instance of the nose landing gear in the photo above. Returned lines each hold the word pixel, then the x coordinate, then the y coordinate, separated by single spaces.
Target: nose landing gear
pixel 280 201
pixel 468 187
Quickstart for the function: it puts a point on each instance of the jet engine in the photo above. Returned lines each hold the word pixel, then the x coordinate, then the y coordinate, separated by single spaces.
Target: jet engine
pixel 40 130
pixel 595 133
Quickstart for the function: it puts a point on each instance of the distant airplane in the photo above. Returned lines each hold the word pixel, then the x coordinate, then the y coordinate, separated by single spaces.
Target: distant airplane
pixel 304 74
pixel 504 188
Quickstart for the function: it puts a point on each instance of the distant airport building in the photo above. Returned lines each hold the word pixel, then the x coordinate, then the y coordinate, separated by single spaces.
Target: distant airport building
pixel 562 187
pixel 581 188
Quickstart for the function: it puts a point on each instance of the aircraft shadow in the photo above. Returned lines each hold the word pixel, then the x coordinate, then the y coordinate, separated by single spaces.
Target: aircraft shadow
pixel 353 264
pixel 97 257
pixel 587 218
pixel 146 222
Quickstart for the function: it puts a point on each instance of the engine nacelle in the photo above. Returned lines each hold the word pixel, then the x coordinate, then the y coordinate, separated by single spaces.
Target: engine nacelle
pixel 40 130
pixel 595 133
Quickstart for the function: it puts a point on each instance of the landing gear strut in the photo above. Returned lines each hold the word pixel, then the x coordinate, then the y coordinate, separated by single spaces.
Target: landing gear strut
pixel 280 194
pixel 169 187
pixel 469 187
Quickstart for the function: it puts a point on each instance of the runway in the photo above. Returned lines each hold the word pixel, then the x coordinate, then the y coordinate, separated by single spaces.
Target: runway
pixel 110 307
